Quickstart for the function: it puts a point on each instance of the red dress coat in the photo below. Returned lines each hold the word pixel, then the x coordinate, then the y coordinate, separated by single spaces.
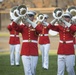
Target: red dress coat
pixel 28 33
pixel 14 35
pixel 66 34
pixel 74 38
pixel 43 34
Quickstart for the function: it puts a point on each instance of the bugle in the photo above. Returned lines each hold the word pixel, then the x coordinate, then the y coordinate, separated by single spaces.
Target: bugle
pixel 14 13
pixel 22 10
pixel 57 13
pixel 72 10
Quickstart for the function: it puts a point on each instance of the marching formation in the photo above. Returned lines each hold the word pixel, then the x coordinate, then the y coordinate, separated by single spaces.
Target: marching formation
pixel 35 31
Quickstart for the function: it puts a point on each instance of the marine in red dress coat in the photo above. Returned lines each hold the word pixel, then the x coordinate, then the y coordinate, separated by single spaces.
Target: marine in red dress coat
pixel 14 35
pixel 66 34
pixel 44 42
pixel 29 50
pixel 43 34
pixel 14 42
pixel 66 52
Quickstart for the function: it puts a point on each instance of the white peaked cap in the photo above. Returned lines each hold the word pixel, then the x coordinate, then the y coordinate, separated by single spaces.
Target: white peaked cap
pixel 67 14
pixel 45 15
pixel 31 13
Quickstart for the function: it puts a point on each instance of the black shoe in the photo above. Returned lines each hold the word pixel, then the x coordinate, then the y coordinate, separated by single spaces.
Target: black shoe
pixel 17 65
pixel 45 68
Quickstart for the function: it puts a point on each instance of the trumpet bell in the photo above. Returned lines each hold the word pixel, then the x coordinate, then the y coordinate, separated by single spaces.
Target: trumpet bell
pixel 74 19
pixel 14 8
pixel 57 14
pixel 40 17
pixel 14 13
pixel 22 10
pixel 72 10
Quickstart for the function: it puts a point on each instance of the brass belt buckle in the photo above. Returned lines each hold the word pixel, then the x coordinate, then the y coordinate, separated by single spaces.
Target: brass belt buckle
pixel 64 42
pixel 43 34
pixel 29 40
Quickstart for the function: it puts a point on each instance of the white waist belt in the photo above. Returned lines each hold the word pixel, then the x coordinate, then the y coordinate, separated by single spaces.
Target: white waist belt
pixel 14 35
pixel 43 34
pixel 34 41
pixel 71 41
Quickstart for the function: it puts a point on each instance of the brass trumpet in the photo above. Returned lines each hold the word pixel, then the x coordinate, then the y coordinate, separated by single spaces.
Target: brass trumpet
pixel 14 13
pixel 72 10
pixel 18 11
pixel 40 17
pixel 57 14
pixel 22 10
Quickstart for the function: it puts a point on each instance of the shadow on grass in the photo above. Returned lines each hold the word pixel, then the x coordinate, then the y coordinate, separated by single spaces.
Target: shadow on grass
pixel 6 69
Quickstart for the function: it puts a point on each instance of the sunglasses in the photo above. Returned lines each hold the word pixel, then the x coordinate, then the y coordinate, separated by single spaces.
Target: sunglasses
pixel 66 16
pixel 45 17
pixel 30 15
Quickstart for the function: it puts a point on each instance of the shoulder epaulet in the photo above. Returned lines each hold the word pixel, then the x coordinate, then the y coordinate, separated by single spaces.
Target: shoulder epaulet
pixel 11 23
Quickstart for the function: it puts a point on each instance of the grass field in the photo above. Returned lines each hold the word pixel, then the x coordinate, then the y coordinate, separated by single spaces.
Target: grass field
pixel 6 69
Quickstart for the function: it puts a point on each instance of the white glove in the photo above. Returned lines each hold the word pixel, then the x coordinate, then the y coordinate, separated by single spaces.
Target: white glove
pixel 32 23
pixel 24 19
pixel 66 23
pixel 17 20
pixel 45 23
pixel 53 21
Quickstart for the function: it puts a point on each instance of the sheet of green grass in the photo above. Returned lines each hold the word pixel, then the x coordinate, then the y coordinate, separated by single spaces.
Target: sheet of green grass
pixel 6 69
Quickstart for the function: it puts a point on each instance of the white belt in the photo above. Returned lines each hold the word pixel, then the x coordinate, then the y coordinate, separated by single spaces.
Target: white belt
pixel 43 34
pixel 34 41
pixel 71 41
pixel 14 35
